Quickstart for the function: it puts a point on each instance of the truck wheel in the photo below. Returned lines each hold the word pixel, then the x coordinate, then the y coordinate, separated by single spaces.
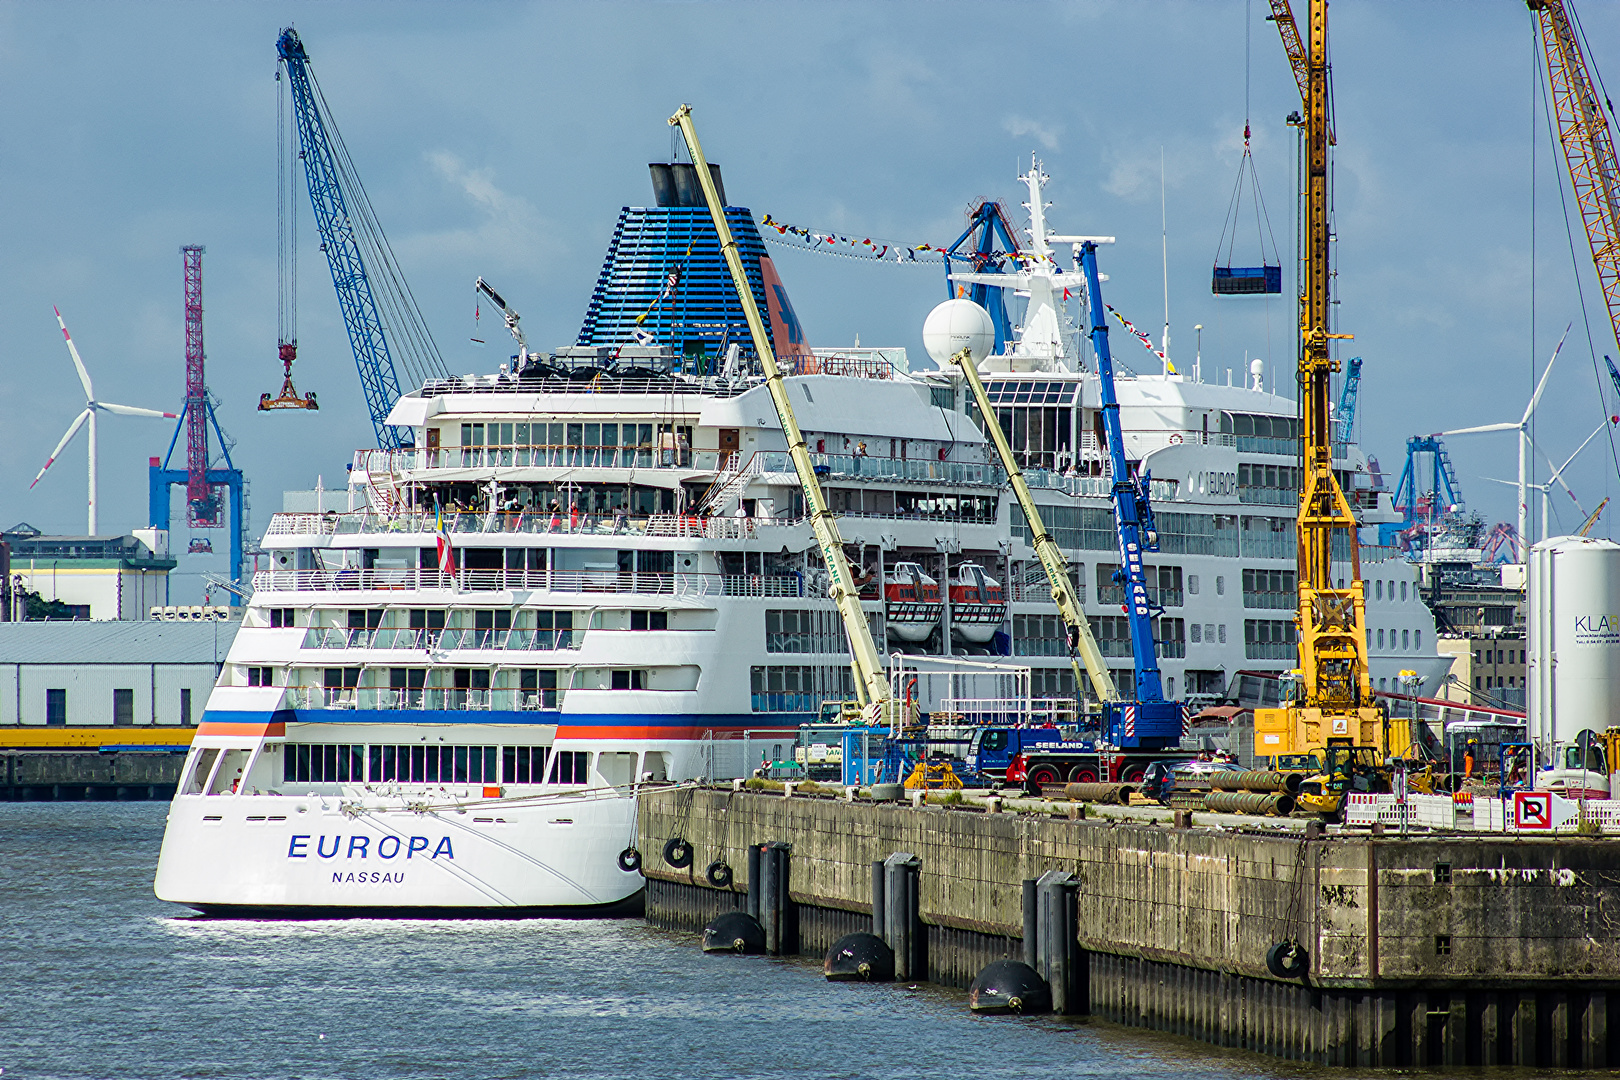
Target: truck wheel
pixel 1043 774
pixel 1083 774
pixel 1132 774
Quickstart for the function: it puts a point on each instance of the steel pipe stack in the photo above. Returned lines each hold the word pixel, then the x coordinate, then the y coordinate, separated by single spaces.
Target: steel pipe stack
pixel 1256 781
pixel 1278 803
pixel 1114 794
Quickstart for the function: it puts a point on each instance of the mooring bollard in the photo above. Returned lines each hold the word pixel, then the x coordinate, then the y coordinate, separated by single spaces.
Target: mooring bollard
pixel 772 861
pixel 1032 923
pixel 753 880
pixel 880 925
pixel 903 930
pixel 1058 956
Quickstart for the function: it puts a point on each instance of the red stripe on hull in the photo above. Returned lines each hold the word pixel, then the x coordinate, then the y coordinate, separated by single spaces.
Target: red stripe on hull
pixel 623 731
pixel 215 727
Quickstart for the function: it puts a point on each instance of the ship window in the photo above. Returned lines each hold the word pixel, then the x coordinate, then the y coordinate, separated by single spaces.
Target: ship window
pixel 1403 590
pixel 537 688
pixel 323 763
pixel 1406 639
pixel 260 676
pixel 229 774
pixel 1417 639
pixel 280 617
pixel 420 764
pixel 524 764
pixel 649 620
pixel 492 619
pixel 629 679
pixel 202 765
pixel 365 618
pixel 570 767
pixel 341 678
pixel 427 618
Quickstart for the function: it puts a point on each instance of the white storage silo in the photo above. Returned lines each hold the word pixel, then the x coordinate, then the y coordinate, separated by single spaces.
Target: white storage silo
pixel 1573 611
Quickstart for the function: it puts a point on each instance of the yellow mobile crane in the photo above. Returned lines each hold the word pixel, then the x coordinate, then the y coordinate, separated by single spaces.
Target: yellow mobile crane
pixel 1333 698
pixel 871 681
pixel 1080 638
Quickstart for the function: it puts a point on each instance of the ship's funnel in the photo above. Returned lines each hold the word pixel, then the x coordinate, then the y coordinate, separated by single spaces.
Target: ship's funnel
pixel 677 184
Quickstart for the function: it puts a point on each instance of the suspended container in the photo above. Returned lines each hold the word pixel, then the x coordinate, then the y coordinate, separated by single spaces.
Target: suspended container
pixel 1266 278
pixel 1246 280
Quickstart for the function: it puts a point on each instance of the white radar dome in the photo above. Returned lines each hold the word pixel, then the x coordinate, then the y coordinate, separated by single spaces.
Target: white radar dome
pixel 956 325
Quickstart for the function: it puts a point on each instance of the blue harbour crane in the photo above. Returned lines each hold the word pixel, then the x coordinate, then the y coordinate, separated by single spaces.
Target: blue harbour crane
pixel 1149 720
pixel 1344 418
pixel 376 303
pixel 986 253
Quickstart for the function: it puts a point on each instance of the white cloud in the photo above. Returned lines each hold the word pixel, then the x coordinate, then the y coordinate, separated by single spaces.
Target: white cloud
pixel 511 229
pixel 1045 134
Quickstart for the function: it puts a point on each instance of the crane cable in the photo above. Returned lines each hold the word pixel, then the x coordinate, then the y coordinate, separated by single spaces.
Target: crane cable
pixel 1246 168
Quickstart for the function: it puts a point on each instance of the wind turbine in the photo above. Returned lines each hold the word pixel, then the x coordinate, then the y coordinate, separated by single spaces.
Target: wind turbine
pixel 1523 428
pixel 1557 476
pixel 91 408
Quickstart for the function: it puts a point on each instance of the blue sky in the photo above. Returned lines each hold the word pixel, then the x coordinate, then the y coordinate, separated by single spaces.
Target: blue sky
pixel 502 138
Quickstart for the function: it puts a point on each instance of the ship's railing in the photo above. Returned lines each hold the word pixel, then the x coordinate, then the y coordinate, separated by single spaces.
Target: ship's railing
pixel 552 581
pixel 864 467
pixel 1007 712
pixel 521 522
pixel 521 639
pixel 435 698
pixel 1039 590
pixel 1101 486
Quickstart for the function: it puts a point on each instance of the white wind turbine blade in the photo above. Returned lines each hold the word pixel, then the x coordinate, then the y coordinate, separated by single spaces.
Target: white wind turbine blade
pixel 71 431
pixel 130 410
pixel 73 351
pixel 1542 385
pixel 1477 430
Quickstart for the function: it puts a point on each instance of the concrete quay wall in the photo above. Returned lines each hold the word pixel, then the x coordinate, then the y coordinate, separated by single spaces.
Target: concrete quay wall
pixel 1424 950
pixel 78 775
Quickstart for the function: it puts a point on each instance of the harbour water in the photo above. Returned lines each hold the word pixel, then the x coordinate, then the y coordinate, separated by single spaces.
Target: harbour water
pixel 100 979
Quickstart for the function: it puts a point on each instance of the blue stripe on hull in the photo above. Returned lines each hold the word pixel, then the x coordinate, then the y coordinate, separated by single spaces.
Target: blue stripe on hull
pixel 406 718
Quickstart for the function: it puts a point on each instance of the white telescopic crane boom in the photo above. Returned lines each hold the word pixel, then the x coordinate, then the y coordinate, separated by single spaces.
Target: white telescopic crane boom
pixel 863 650
pixel 511 317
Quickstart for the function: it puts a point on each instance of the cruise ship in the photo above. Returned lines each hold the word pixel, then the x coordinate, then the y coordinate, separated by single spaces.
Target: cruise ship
pixel 592 572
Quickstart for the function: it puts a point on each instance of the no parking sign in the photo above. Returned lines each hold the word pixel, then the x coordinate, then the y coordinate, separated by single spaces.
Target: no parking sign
pixel 1533 809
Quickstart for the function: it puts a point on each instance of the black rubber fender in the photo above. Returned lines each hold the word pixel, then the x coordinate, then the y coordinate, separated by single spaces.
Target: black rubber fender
pixel 718 874
pixel 678 853
pixel 1288 960
pixel 630 860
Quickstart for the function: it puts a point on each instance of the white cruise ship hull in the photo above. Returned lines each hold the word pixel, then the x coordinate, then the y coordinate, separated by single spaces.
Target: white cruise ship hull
pixel 358 854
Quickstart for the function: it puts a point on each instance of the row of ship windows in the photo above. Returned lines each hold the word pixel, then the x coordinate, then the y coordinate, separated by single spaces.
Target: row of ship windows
pixel 341 763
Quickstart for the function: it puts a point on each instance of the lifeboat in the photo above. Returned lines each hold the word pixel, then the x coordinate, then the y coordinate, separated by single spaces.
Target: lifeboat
pixel 912 602
pixel 978 604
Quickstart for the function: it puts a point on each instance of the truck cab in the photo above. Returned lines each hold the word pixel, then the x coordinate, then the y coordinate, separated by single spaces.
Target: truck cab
pixel 992 749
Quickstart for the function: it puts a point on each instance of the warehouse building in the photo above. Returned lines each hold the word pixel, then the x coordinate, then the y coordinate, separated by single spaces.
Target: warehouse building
pixel 130 673
pixel 92 577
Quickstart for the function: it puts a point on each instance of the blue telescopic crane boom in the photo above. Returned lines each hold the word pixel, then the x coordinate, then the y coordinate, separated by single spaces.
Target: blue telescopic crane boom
pixel 337 211
pixel 1133 516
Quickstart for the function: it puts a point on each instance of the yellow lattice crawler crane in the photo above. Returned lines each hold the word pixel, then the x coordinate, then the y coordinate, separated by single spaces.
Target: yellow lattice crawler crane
pixel 1332 700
